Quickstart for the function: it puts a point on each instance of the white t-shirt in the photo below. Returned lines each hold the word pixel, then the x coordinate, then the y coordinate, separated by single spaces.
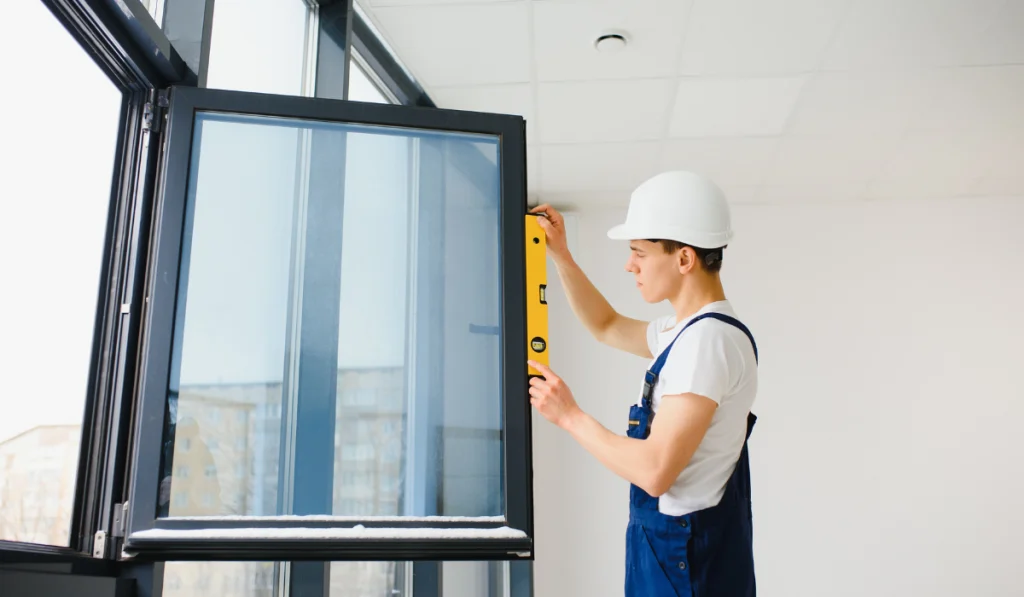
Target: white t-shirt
pixel 716 360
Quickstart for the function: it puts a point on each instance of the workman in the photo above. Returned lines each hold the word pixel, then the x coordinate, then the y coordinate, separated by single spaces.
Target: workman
pixel 690 527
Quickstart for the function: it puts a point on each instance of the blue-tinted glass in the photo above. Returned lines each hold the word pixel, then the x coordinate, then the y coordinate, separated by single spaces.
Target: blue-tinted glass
pixel 351 579
pixel 337 338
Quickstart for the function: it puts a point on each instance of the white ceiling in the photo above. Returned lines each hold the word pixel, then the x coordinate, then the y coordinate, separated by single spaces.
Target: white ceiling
pixel 778 100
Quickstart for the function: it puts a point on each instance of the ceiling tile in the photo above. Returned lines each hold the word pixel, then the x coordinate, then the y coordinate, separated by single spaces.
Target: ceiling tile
pixel 753 37
pixel 828 161
pixel 999 187
pixel 565 33
pixel 733 107
pixel 500 99
pixel 858 103
pixel 595 111
pixel 732 161
pixel 375 3
pixel 1003 173
pixel 972 99
pixel 808 193
pixel 472 44
pixel 598 166
pixel 935 164
pixel 893 34
pixel 1002 41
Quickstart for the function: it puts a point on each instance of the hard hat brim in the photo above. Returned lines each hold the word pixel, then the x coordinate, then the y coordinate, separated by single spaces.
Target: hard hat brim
pixel 703 240
pixel 622 232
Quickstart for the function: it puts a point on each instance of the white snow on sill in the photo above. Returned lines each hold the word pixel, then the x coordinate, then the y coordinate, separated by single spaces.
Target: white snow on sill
pixel 357 532
pixel 329 518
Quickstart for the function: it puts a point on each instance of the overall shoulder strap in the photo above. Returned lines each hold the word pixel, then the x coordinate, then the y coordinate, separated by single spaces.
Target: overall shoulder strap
pixel 651 376
pixel 737 324
pixel 660 362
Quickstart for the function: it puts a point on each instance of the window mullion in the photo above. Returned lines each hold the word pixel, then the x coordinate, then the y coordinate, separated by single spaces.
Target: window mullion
pixel 313 429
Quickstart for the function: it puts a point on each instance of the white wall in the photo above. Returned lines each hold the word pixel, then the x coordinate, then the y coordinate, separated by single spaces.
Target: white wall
pixel 885 459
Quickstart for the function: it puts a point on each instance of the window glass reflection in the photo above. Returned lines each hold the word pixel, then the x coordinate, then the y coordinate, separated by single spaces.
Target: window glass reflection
pixel 403 279
pixel 346 579
pixel 220 579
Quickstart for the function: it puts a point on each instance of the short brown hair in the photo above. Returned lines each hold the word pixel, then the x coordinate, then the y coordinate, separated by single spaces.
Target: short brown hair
pixel 710 259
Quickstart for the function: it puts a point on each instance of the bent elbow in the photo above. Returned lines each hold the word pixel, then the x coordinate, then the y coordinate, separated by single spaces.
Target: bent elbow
pixel 658 484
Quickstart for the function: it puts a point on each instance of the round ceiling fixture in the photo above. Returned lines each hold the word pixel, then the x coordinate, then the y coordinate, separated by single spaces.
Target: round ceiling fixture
pixel 610 42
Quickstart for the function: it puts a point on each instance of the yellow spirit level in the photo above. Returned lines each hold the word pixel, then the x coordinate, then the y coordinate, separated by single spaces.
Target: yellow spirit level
pixel 536 293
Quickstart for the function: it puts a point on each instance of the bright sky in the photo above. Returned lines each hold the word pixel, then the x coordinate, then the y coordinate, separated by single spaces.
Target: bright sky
pixel 59 123
pixel 59 133
pixel 59 136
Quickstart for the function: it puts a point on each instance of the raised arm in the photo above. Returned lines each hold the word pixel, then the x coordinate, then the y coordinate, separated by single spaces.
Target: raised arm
pixel 593 310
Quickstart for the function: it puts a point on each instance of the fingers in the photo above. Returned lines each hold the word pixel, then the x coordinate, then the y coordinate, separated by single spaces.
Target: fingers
pixel 549 211
pixel 540 383
pixel 545 371
pixel 541 388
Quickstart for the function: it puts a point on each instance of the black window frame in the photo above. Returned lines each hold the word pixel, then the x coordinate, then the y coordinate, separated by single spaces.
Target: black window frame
pixel 126 42
pixel 158 333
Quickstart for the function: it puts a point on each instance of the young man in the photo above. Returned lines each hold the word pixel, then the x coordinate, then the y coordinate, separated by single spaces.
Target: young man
pixel 690 528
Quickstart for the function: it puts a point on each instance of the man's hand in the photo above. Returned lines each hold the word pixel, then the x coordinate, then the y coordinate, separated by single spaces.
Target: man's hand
pixel 554 229
pixel 552 398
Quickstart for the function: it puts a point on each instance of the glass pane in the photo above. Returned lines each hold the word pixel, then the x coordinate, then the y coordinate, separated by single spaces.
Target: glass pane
pixel 474 579
pixel 227 399
pixel 259 45
pixel 366 579
pixel 220 579
pixel 378 242
pixel 52 233
pixel 403 579
pixel 361 88
pixel 374 316
pixel 471 437
pixel 156 9
pixel 347 579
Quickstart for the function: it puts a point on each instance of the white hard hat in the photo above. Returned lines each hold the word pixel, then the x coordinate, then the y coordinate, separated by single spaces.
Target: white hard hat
pixel 677 205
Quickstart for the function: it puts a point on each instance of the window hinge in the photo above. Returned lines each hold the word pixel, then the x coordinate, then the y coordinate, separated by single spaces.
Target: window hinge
pixel 99 545
pixel 150 118
pixel 155 111
pixel 120 520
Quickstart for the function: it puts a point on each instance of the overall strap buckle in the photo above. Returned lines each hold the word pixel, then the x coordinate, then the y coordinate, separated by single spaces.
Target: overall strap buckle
pixel 650 378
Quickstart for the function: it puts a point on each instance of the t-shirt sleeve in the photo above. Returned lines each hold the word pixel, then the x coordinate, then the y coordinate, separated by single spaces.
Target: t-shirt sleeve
pixel 703 361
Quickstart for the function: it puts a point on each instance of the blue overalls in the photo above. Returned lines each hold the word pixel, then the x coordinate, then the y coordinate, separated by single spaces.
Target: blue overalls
pixel 708 553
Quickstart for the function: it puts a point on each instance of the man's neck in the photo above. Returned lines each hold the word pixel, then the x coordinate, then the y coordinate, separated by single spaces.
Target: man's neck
pixel 692 299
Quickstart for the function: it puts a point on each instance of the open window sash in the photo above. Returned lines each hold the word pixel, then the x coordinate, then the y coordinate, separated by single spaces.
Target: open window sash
pixel 335 335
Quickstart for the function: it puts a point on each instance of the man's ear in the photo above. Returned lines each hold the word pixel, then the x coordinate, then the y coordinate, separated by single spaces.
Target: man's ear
pixel 687 259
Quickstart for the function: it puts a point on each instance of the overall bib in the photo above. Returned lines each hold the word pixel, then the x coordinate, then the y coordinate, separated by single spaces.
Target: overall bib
pixel 708 553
